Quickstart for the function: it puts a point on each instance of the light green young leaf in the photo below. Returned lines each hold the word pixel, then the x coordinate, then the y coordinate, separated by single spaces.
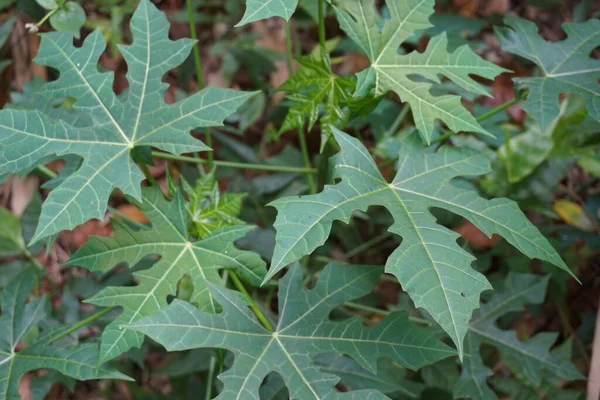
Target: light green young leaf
pixel 566 66
pixel 80 362
pixel 391 71
pixel 304 330
pixel 312 85
pixel 432 268
pixel 168 237
pixel 210 209
pixel 530 359
pixel 262 9
pixel 138 118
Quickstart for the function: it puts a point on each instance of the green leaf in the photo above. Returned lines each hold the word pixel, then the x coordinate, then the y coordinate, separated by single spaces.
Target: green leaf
pixel 210 209
pixel 432 268
pixel 167 237
pixel 262 9
pixel 391 71
pixel 69 18
pixel 304 329
pixel 18 318
pixel 313 84
pixel 390 378
pixel 137 118
pixel 530 358
pixel 48 4
pixel 566 66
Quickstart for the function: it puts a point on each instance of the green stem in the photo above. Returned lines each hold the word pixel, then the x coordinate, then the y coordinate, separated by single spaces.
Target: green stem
pixel 257 311
pixel 289 51
pixel 306 157
pixel 82 323
pixel 148 175
pixel 199 73
pixel 361 307
pixel 322 39
pixel 482 117
pixel 210 377
pixel 238 165
pixel 367 245
pixel 401 115
pixel 51 13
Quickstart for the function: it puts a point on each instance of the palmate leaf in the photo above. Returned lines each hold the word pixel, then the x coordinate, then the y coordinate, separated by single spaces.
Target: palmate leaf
pixel 530 359
pixel 168 237
pixel 313 85
pixel 566 66
pixel 304 330
pixel 18 318
pixel 430 265
pixel 138 118
pixel 391 71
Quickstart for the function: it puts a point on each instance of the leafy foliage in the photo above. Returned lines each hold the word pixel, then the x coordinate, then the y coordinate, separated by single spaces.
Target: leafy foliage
pixel 429 264
pixel 313 84
pixel 566 66
pixel 530 359
pixel 168 237
pixel 304 329
pixel 261 9
pixel 18 319
pixel 137 119
pixel 391 71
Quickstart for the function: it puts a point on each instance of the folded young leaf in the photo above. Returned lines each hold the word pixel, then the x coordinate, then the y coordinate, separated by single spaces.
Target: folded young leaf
pixel 167 237
pixel 138 117
pixel 80 362
pixel 381 38
pixel 304 330
pixel 566 65
pixel 531 358
pixel 430 265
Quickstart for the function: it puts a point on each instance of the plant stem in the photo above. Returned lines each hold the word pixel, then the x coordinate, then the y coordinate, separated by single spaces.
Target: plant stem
pixel 367 245
pixel 361 307
pixel 322 39
pixel 148 175
pixel 238 165
pixel 210 377
pixel 82 323
pixel 482 117
pixel 289 51
pixel 257 311
pixel 306 157
pixel 51 13
pixel 199 73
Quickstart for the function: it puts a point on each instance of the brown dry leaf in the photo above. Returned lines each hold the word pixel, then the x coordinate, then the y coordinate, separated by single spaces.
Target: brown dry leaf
pixel 25 387
pixel 21 191
pixel 79 236
pixel 132 212
pixel 490 7
pixel 475 237
pixel 272 36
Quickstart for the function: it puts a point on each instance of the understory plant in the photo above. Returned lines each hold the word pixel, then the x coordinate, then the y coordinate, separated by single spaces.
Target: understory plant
pixel 265 273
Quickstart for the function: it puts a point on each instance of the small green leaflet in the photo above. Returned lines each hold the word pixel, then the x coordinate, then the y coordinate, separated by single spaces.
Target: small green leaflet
pixel 566 65
pixel 210 209
pixel 18 318
pixel 137 118
pixel 167 237
pixel 304 330
pixel 432 268
pixel 312 85
pixel 391 71
pixel 530 359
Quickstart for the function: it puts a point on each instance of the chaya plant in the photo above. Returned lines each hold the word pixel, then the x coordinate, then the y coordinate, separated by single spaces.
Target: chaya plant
pixel 181 278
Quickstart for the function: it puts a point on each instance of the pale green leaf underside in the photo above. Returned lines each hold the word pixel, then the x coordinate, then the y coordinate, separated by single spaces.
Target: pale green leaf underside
pixel 262 9
pixel 168 238
pixel 138 117
pixel 532 356
pixel 303 330
pixel 391 71
pixel 566 65
pixel 429 264
pixel 80 362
